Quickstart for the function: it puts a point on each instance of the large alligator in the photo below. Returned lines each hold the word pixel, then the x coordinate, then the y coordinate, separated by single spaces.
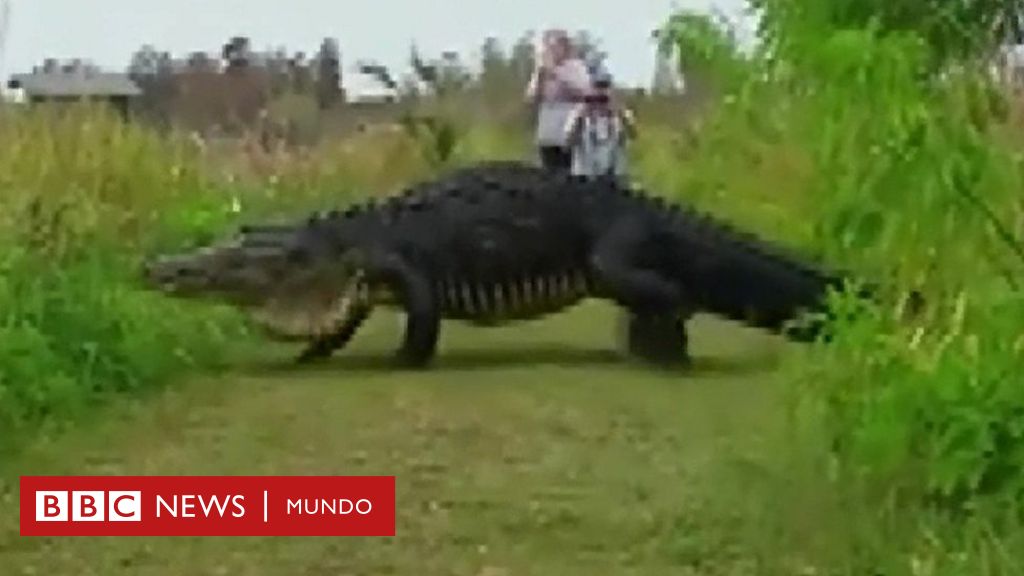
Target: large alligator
pixel 495 243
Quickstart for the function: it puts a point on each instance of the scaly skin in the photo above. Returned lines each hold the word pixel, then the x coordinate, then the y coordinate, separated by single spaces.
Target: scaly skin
pixel 497 243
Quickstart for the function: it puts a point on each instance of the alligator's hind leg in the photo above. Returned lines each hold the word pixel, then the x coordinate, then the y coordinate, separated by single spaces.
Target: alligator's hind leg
pixel 659 339
pixel 624 263
pixel 324 346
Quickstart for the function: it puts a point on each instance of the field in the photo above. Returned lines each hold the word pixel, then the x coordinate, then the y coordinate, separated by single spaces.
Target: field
pixel 894 448
pixel 528 451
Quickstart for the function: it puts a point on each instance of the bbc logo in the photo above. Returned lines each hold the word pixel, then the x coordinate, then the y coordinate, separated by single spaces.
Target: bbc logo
pixel 88 506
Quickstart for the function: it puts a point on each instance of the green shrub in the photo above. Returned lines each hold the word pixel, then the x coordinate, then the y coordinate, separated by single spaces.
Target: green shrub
pixel 84 197
pixel 858 140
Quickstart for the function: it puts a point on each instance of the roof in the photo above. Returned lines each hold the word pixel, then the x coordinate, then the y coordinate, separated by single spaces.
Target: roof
pixel 76 83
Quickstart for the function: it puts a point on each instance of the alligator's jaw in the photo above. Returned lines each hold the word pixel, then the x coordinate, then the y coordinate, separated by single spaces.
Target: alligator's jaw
pixel 311 318
pixel 296 324
pixel 287 299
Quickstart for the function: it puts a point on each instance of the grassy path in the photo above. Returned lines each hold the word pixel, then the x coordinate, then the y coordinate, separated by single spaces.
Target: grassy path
pixel 531 450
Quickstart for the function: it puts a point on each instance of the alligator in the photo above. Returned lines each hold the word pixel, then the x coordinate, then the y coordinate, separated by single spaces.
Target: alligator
pixel 495 243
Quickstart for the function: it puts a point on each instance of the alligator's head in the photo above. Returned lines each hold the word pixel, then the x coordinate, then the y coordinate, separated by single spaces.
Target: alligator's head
pixel 295 285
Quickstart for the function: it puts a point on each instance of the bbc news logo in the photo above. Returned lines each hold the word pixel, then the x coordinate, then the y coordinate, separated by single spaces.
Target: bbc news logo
pixel 88 506
pixel 207 505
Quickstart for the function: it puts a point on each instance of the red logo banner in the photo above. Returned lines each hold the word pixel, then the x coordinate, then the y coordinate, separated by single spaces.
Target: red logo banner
pixel 207 505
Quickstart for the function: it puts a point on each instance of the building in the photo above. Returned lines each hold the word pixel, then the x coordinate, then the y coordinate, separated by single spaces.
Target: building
pixel 75 82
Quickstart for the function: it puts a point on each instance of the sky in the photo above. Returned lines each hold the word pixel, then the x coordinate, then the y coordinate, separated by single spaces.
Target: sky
pixel 107 32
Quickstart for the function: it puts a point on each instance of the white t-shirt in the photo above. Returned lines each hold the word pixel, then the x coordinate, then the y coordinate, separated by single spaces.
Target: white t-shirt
pixel 556 101
pixel 599 142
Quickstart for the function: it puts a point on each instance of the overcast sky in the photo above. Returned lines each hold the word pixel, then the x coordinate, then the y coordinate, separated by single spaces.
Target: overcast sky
pixel 107 32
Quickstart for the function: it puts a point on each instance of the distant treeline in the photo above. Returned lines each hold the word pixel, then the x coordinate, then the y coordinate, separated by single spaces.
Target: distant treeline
pixel 242 89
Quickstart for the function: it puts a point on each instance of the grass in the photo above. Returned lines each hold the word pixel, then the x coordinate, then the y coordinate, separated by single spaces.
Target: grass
pixel 83 197
pixel 533 450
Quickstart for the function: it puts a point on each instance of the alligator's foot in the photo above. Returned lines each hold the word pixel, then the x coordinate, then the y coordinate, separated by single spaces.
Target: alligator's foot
pixel 659 340
pixel 317 351
pixel 405 360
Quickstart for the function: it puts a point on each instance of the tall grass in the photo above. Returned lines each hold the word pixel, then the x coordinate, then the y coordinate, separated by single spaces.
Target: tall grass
pixel 909 433
pixel 82 196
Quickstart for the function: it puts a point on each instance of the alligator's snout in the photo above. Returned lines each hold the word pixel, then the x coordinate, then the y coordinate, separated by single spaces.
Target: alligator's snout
pixel 171 274
pixel 152 271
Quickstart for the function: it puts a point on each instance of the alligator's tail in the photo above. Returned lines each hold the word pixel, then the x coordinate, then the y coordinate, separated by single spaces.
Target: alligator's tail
pixel 743 278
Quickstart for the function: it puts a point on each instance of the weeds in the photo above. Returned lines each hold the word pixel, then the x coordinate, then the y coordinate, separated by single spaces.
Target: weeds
pixel 889 147
pixel 83 196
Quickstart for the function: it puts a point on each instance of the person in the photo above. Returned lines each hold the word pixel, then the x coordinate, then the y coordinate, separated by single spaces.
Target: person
pixel 558 84
pixel 598 130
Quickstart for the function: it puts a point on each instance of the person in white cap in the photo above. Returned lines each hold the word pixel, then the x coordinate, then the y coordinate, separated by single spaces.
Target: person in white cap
pixel 598 131
pixel 559 83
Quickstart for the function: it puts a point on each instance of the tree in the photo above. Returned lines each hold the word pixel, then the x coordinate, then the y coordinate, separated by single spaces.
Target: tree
pixel 952 31
pixel 496 75
pixel 427 73
pixel 328 81
pixel 1010 26
pixel 299 72
pixel 201 62
pixel 493 63
pixel 444 76
pixel 706 51
pixel 237 53
pixel 523 59
pixel 276 63
pixel 453 75
pixel 153 72
pixel 145 63
pixel 666 76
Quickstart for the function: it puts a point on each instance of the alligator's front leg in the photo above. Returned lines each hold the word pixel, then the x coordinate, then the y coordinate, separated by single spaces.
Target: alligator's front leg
pixel 655 329
pixel 325 346
pixel 419 301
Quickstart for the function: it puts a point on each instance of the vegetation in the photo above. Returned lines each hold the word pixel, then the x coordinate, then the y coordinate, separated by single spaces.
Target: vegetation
pixel 869 136
pixel 81 196
pixel 891 151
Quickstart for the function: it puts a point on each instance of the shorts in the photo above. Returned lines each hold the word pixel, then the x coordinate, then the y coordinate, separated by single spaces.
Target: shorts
pixel 556 157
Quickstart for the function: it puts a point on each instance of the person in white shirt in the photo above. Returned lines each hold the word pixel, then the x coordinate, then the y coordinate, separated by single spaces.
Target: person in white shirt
pixel 559 83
